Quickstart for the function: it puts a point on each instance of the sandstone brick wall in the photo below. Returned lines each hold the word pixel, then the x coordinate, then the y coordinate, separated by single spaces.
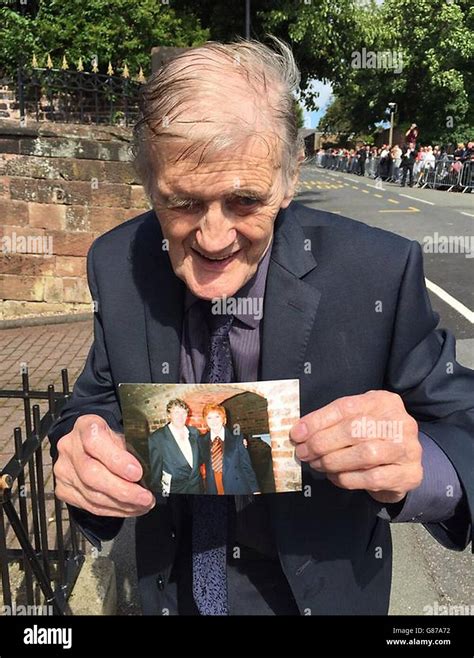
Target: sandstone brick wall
pixel 61 186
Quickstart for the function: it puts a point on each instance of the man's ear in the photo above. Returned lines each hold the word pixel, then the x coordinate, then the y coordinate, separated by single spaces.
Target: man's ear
pixel 291 189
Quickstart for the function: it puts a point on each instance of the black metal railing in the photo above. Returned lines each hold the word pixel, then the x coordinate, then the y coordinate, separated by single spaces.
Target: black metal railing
pixel 77 96
pixel 24 511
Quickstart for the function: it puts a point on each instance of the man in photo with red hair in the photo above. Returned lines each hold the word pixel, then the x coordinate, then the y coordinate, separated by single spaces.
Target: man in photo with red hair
pixel 227 468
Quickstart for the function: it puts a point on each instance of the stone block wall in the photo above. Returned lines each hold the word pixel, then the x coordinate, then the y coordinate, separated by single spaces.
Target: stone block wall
pixel 61 186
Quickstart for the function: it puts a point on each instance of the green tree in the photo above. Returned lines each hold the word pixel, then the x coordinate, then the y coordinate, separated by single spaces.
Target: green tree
pixel 321 33
pixel 435 87
pixel 122 31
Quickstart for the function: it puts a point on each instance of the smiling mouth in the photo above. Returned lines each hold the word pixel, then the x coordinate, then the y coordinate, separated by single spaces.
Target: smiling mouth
pixel 216 259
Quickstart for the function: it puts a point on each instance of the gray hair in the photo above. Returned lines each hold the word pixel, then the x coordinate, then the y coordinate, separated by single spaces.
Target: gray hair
pixel 173 96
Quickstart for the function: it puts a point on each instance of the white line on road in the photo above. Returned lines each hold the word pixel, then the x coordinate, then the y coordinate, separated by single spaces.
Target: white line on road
pixel 449 299
pixel 468 214
pixel 414 198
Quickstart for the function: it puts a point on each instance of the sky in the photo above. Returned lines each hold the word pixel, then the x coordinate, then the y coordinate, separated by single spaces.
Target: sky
pixel 311 119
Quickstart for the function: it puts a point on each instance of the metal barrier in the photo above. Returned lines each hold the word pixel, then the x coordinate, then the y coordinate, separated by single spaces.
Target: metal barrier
pixel 448 174
pixel 23 486
pixel 466 176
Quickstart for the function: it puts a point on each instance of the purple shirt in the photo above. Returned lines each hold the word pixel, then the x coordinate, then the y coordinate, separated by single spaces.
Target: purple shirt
pixel 439 493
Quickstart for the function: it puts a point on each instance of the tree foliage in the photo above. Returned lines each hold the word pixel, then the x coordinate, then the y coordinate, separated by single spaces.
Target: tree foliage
pixel 435 87
pixel 435 39
pixel 122 31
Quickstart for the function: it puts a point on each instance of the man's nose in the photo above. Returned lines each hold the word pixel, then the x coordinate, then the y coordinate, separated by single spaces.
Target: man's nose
pixel 216 231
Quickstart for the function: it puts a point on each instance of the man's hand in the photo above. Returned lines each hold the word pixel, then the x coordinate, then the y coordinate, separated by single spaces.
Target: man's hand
pixel 95 472
pixel 363 442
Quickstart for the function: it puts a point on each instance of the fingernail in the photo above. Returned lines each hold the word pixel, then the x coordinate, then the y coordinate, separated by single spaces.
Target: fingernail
pixel 145 498
pixel 300 431
pixel 132 472
pixel 302 451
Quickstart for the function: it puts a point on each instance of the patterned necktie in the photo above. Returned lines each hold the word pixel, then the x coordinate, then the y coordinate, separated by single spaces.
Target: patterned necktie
pixel 217 455
pixel 209 536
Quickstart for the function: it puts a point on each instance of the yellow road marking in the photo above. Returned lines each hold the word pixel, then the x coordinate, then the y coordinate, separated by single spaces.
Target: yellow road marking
pixel 410 209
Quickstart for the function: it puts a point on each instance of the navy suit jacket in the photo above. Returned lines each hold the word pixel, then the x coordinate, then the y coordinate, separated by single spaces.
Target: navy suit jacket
pixel 346 310
pixel 238 476
pixel 166 455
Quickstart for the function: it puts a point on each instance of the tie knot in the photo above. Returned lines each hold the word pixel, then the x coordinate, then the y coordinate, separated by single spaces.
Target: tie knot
pixel 218 323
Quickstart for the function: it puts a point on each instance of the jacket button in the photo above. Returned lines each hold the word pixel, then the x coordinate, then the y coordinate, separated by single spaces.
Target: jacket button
pixel 160 583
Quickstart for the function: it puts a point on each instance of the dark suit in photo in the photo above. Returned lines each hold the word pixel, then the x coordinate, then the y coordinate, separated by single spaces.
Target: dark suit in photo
pixel 166 456
pixel 238 475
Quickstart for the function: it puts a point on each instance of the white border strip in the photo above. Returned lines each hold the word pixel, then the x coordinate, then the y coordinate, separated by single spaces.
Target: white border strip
pixel 414 198
pixel 449 299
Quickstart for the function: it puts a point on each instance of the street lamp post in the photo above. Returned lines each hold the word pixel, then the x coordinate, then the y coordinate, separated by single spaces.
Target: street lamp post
pixel 247 19
pixel 393 108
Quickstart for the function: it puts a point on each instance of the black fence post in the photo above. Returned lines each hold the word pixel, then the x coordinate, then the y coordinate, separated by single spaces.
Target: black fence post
pixel 51 570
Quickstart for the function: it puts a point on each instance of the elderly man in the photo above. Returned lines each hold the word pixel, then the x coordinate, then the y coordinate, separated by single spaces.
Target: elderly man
pixel 387 423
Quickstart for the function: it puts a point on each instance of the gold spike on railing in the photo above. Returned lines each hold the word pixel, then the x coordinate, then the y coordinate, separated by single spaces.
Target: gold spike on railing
pixel 140 76
pixel 64 64
pixel 49 62
pixel 34 62
pixel 80 65
pixel 110 70
pixel 95 65
pixel 125 72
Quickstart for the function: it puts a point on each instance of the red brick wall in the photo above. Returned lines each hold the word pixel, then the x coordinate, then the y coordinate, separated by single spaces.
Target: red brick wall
pixel 61 186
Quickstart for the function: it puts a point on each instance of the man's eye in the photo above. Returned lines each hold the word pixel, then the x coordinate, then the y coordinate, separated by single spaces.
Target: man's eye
pixel 244 201
pixel 248 200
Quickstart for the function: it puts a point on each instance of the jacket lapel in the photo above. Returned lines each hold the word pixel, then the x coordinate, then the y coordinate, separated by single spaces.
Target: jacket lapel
pixel 289 302
pixel 163 297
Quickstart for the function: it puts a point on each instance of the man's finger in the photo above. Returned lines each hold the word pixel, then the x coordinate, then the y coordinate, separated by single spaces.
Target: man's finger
pixel 391 477
pixel 94 476
pixel 326 441
pixel 364 455
pixel 74 497
pixel 342 409
pixel 101 499
pixel 98 442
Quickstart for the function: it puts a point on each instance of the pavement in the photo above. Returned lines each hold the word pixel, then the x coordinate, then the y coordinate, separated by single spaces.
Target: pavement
pixel 424 572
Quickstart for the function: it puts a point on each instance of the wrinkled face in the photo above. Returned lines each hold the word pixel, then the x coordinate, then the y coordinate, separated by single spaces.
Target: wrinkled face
pixel 214 421
pixel 178 416
pixel 218 215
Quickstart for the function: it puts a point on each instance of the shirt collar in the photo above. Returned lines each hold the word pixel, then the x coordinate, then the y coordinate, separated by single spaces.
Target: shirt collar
pixel 254 289
pixel 221 434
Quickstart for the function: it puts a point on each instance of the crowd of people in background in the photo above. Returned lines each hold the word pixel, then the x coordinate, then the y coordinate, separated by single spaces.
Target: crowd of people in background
pixel 411 163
